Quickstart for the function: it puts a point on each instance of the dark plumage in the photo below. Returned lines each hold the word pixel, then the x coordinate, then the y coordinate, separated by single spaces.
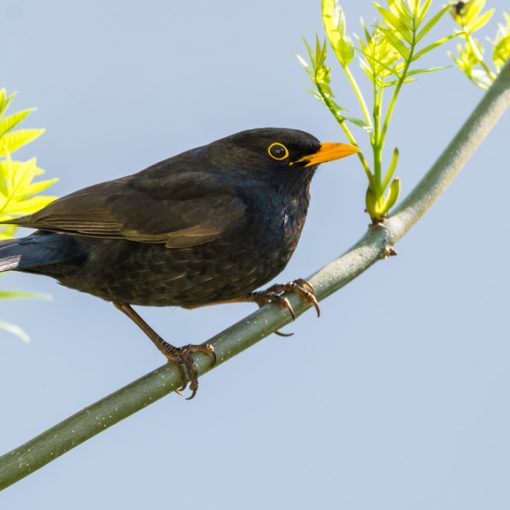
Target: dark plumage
pixel 211 224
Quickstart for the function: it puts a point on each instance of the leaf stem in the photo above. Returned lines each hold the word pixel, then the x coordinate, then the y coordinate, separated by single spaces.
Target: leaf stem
pixel 376 141
pixel 359 94
pixel 398 87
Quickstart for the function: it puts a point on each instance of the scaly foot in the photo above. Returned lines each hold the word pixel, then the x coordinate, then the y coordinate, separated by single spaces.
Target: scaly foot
pixel 275 294
pixel 183 359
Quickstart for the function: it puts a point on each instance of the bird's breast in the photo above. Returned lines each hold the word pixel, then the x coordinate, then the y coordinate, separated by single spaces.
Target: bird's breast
pixel 292 221
pixel 275 227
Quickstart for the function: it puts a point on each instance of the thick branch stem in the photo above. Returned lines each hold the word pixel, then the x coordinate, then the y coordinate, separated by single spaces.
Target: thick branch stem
pixel 373 246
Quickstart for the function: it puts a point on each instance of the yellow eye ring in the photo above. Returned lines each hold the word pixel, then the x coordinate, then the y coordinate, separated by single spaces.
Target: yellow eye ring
pixel 278 151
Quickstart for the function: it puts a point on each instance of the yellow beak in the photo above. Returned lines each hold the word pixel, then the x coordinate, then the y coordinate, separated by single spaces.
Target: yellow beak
pixel 329 151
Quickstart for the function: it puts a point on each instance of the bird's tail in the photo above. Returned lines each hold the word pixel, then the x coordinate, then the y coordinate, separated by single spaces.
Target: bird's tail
pixel 9 255
pixel 37 251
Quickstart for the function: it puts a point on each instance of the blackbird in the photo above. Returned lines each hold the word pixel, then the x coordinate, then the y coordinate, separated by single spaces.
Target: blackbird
pixel 207 226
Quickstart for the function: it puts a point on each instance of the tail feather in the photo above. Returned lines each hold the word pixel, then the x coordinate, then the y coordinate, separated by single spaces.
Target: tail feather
pixel 9 263
pixel 38 251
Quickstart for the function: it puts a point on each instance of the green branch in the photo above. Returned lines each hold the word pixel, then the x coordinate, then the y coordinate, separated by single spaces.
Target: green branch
pixel 373 246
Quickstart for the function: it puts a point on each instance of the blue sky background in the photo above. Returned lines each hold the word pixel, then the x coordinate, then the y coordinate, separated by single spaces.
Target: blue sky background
pixel 396 398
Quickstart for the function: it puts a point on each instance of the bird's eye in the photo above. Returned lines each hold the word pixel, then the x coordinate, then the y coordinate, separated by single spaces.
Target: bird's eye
pixel 278 151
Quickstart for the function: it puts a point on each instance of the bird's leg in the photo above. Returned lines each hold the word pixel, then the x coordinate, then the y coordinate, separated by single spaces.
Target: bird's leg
pixel 275 294
pixel 180 356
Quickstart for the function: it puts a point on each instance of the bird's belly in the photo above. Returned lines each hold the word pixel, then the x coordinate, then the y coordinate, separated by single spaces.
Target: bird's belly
pixel 153 275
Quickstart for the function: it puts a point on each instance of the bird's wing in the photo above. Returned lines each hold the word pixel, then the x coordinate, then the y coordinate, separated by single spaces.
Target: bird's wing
pixel 188 209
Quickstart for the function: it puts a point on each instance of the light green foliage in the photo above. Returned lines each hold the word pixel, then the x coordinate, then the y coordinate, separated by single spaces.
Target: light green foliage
pixel 381 60
pixel 388 51
pixel 19 195
pixel 501 52
pixel 471 17
pixel 319 73
pixel 334 25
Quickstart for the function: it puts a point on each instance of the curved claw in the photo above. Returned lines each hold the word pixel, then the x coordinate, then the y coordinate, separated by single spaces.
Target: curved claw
pixel 194 388
pixel 206 349
pixel 307 292
pixel 284 302
pixel 183 359
pixel 300 287
pixel 281 333
pixel 270 296
pixel 305 284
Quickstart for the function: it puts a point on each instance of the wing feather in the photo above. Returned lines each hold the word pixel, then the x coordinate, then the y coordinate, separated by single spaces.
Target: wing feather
pixel 193 208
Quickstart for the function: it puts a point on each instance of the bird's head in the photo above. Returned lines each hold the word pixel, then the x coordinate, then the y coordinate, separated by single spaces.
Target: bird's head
pixel 275 154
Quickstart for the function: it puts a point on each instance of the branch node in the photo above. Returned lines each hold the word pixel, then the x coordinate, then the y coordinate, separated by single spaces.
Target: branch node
pixel 389 251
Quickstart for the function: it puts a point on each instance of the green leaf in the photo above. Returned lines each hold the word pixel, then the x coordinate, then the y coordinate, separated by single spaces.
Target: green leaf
pixel 7 231
pixel 17 189
pixel 336 108
pixel 427 70
pixel 302 61
pixel 472 9
pixel 425 9
pixel 395 42
pixel 381 58
pixel 4 176
pixel 15 330
pixel 334 24
pixel 22 176
pixel 29 205
pixel 481 21
pixel 404 13
pixel 5 100
pixel 391 168
pixel 309 51
pixel 393 83
pixel 433 46
pixel 365 30
pixel 501 51
pixel 11 142
pixel 393 194
pixel 22 294
pixel 371 204
pixel 431 23
pixel 396 23
pixel 469 18
pixel 7 123
pixel 7 170
pixel 37 187
pixel 3 96
pixel 360 123
pixel 315 94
